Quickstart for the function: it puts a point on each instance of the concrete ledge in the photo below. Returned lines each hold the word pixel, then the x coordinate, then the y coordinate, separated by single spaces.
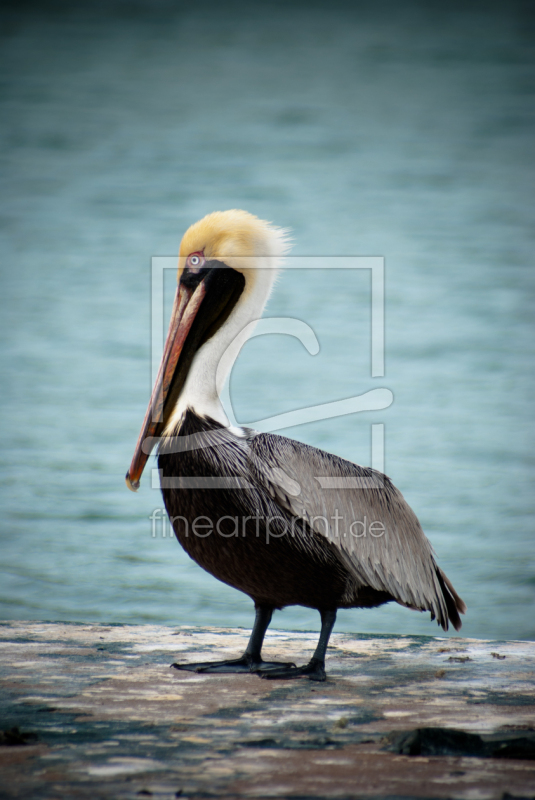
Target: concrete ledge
pixel 112 720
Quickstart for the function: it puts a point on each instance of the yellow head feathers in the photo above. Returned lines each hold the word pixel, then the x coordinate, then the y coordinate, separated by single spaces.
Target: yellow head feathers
pixel 238 239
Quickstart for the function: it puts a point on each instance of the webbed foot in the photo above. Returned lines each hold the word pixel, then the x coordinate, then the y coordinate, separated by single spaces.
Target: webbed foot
pixel 244 664
pixel 314 671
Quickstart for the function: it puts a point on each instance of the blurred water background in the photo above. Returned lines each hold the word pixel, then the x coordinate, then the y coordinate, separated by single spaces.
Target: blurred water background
pixel 403 130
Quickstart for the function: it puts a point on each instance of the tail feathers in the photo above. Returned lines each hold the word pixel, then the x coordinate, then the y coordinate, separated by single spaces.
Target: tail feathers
pixel 454 604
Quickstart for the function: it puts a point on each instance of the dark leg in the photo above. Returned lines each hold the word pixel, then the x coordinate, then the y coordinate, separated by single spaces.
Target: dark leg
pixel 251 660
pixel 315 669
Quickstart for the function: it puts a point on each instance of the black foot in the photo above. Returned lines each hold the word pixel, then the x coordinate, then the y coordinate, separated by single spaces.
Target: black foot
pixel 244 664
pixel 314 671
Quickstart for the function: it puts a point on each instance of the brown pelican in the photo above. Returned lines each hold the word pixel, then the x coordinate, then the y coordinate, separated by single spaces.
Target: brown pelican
pixel 255 509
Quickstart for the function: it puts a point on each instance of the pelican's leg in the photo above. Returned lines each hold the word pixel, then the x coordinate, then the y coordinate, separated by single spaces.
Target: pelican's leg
pixel 251 660
pixel 315 669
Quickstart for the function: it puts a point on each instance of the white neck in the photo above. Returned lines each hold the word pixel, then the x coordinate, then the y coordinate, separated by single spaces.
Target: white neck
pixel 214 360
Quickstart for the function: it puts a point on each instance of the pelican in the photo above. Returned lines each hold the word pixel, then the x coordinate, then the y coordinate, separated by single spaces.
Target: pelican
pixel 255 509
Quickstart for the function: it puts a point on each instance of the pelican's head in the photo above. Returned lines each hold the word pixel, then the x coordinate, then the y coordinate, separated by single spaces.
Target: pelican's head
pixel 227 265
pixel 234 238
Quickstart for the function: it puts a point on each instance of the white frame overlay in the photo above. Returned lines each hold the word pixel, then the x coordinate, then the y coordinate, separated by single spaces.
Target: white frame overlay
pixel 374 400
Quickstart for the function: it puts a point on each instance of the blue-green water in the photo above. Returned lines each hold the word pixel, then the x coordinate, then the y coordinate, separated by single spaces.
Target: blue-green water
pixel 400 130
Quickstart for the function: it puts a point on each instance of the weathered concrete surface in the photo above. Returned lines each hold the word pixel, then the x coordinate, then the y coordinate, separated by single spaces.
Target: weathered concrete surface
pixel 114 721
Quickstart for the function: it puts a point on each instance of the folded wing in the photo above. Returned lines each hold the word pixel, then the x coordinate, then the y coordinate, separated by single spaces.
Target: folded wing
pixel 361 512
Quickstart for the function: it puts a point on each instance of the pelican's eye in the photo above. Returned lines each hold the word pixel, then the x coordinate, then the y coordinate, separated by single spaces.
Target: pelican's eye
pixel 195 261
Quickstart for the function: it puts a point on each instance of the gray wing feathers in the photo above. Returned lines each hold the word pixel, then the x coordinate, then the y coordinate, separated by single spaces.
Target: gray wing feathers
pixel 375 530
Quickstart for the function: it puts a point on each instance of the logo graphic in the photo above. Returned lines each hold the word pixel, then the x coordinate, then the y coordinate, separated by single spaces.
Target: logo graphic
pixel 374 400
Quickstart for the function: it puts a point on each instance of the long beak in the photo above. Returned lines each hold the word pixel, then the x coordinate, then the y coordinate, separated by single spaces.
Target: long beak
pixel 185 308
